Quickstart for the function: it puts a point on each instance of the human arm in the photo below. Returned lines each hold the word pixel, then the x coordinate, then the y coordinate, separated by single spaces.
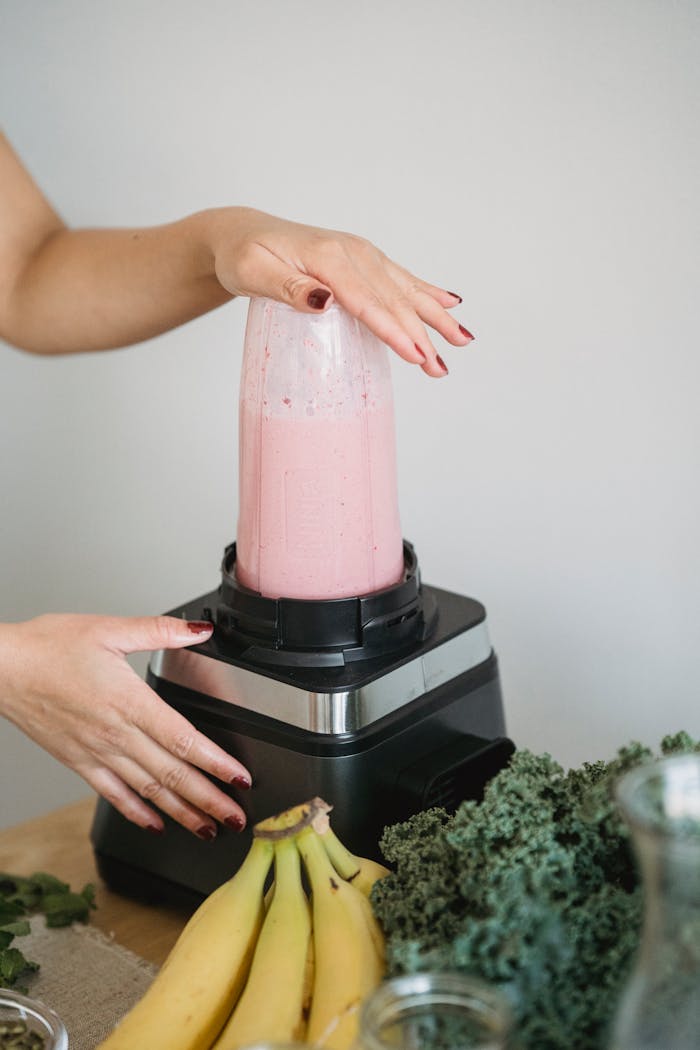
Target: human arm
pixel 65 290
pixel 65 682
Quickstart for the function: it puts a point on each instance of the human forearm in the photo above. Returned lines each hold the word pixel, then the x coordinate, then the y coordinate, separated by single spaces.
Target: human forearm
pixel 64 290
pixel 98 289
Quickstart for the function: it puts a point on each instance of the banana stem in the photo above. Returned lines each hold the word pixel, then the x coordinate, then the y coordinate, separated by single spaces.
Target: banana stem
pixel 344 862
pixel 316 860
pixel 289 823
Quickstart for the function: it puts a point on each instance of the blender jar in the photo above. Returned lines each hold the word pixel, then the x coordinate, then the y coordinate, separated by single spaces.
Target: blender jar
pixel 318 499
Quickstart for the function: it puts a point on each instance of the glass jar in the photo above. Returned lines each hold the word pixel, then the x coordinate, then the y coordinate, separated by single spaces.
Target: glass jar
pixel 37 1018
pixel 318 494
pixel 660 1006
pixel 435 1011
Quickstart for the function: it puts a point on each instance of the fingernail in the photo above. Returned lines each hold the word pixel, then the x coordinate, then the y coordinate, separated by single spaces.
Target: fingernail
pixel 241 782
pixel 318 298
pixel 465 332
pixel 442 364
pixel 200 626
pixel 235 823
pixel 154 829
pixel 422 355
pixel 206 832
pixel 455 296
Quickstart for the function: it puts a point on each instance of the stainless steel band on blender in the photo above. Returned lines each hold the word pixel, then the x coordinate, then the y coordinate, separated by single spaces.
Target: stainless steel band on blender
pixel 343 711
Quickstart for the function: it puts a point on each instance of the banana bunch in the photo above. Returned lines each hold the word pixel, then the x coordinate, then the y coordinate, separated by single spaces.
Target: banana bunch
pixel 252 966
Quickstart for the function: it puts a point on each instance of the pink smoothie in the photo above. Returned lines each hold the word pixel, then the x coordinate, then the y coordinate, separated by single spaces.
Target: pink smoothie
pixel 319 510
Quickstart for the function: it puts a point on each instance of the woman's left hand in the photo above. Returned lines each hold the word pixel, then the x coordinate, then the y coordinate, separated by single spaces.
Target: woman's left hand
pixel 308 267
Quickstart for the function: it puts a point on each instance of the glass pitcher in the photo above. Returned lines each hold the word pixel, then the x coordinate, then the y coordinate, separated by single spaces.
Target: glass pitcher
pixel 435 1011
pixel 318 494
pixel 660 1007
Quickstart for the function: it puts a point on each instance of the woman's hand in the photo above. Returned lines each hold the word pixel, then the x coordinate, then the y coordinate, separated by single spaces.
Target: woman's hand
pixel 307 267
pixel 64 681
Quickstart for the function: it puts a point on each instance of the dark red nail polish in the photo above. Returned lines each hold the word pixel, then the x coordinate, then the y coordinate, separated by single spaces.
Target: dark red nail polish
pixel 422 355
pixel 199 626
pixel 235 823
pixel 465 332
pixel 442 364
pixel 241 782
pixel 154 829
pixel 206 832
pixel 455 296
pixel 318 298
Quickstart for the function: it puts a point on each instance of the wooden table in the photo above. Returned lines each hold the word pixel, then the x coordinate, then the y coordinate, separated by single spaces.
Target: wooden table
pixel 58 843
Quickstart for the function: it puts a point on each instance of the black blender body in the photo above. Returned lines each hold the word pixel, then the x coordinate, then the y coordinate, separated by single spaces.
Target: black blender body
pixel 416 721
pixel 359 684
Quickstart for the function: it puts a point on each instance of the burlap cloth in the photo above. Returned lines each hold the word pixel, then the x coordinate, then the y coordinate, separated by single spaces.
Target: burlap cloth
pixel 89 981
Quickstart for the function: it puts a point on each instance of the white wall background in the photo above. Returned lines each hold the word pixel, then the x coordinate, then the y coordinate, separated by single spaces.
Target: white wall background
pixel 542 159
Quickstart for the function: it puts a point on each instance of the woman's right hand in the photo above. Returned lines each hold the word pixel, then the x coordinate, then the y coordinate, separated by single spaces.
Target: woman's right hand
pixel 65 682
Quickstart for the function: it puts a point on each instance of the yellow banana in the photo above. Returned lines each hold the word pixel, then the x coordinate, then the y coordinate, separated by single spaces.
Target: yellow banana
pixel 271 1006
pixel 347 965
pixel 194 992
pixel 309 970
pixel 361 871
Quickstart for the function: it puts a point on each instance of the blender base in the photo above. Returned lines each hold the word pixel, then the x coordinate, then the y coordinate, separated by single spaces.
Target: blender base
pixel 435 749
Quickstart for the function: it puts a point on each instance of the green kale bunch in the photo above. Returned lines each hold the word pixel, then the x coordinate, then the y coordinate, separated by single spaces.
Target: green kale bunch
pixel 534 889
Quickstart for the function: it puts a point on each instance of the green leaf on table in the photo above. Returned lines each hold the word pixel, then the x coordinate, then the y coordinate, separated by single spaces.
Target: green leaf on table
pixel 10 884
pixel 20 928
pixel 19 890
pixel 61 909
pixel 48 884
pixel 13 964
pixel 9 911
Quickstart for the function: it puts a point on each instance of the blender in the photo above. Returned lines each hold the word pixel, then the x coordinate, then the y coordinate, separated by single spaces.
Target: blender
pixel 333 670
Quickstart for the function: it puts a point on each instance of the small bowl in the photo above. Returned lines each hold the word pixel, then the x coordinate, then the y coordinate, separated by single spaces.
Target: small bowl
pixel 39 1018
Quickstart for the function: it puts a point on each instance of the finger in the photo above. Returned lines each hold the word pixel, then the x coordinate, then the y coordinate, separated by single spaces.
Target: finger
pixel 126 793
pixel 368 305
pixel 171 753
pixel 434 315
pixel 376 315
pixel 173 732
pixel 113 790
pixel 141 785
pixel 175 789
pixel 408 318
pixel 136 634
pixel 386 311
pixel 271 276
pixel 431 306
pixel 179 790
pixel 405 279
